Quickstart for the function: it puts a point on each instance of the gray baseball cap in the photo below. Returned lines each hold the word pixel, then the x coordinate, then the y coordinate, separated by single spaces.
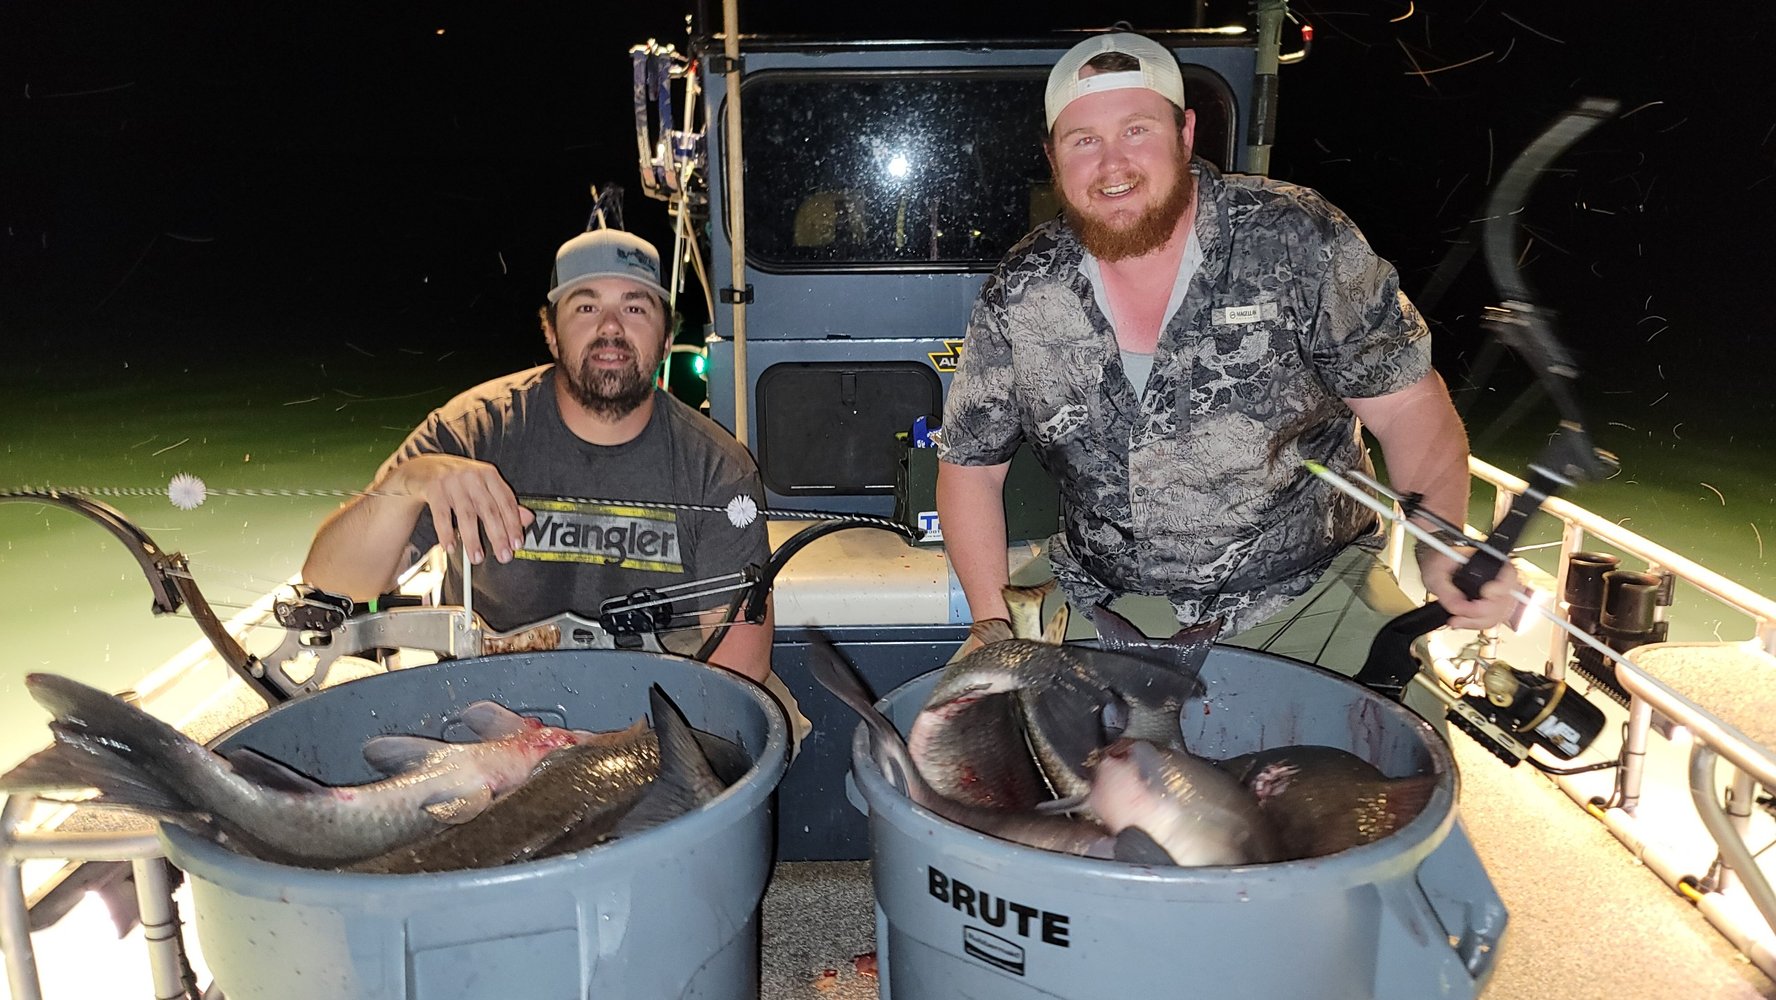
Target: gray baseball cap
pixel 606 253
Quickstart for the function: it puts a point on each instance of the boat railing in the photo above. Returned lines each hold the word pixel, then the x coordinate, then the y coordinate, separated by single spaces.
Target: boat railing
pixel 1713 732
pixel 1580 525
pixel 23 839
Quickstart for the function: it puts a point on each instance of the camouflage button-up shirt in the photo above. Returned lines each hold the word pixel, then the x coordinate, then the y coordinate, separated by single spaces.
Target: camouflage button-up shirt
pixel 1194 488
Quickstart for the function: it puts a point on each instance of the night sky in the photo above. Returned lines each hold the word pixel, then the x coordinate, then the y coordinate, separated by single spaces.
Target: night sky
pixel 212 178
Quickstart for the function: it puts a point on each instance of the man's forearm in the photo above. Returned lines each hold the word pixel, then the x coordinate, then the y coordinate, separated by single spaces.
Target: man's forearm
pixel 1423 443
pixel 746 648
pixel 971 509
pixel 357 550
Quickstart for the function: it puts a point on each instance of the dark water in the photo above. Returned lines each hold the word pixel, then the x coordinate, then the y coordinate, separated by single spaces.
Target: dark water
pixel 72 598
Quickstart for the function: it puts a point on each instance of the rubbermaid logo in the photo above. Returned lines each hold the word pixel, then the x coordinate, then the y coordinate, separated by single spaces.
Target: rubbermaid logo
pixel 993 950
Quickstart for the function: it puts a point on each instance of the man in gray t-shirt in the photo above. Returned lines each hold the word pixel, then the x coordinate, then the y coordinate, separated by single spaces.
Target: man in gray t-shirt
pixel 506 468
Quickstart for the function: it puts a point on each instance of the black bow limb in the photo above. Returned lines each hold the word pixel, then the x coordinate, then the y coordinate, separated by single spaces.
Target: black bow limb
pixel 1528 329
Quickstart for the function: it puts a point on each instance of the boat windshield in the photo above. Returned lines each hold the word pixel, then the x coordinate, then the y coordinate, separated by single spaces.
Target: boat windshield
pixel 909 168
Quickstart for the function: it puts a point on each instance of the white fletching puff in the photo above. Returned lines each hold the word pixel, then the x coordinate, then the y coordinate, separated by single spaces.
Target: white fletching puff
pixel 742 511
pixel 186 491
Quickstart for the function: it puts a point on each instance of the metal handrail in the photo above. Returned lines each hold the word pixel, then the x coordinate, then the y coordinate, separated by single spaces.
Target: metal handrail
pixel 19 843
pixel 1759 608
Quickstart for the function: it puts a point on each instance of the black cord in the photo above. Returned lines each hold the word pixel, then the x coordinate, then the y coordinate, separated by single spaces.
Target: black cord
pixel 1551 769
pixel 796 543
pixel 1616 795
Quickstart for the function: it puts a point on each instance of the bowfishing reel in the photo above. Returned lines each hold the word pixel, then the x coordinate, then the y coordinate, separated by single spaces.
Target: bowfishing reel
pixel 1520 710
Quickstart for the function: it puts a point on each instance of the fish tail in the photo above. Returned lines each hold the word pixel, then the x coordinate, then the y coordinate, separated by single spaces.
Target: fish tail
pixel 106 743
pixel 1024 606
pixel 839 677
pixel 78 762
pixel 87 709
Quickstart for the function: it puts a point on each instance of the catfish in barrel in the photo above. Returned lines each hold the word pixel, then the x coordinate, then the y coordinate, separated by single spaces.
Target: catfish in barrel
pixel 1049 832
pixel 1072 701
pixel 1323 800
pixel 615 784
pixel 1195 812
pixel 137 761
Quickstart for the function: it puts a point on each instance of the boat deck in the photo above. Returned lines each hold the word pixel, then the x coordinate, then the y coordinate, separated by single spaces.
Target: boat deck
pixel 1587 920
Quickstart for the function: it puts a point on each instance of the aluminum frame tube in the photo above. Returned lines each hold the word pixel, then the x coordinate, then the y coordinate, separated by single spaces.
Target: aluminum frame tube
pixel 1734 853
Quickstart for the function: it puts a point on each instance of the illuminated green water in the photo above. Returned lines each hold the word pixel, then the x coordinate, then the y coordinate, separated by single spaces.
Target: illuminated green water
pixel 73 602
pixel 72 599
pixel 1698 483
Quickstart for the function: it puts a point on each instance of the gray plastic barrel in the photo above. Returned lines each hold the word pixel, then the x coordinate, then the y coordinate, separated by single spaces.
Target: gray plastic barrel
pixel 1411 916
pixel 672 912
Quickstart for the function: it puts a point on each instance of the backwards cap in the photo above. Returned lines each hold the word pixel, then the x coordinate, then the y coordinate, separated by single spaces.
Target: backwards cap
pixel 606 253
pixel 1159 71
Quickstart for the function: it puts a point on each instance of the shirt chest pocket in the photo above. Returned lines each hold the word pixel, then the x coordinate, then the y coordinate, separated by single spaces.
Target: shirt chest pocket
pixel 1245 363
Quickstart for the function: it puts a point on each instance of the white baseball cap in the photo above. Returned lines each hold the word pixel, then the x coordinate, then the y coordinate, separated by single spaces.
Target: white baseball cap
pixel 1158 71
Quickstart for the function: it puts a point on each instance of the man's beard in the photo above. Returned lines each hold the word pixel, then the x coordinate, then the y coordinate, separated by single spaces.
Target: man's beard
pixel 611 394
pixel 1146 234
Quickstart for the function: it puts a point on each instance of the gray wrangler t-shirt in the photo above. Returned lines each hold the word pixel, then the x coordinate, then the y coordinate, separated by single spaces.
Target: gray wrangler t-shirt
pixel 1192 487
pixel 575 555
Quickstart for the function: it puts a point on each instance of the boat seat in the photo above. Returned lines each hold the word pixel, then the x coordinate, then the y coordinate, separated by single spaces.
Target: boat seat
pixel 1733 681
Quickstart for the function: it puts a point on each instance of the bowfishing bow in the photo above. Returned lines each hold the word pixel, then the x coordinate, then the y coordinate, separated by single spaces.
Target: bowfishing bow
pixel 324 626
pixel 169 577
pixel 1528 328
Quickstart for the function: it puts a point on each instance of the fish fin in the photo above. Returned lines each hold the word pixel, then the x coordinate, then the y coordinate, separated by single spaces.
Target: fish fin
pixel 113 722
pixel 1066 805
pixel 1407 797
pixel 982 633
pixel 1185 652
pixel 460 808
pixel 78 762
pixel 1115 631
pixel 57 769
pixel 1055 632
pixel 686 779
pixel 1136 847
pixel 841 678
pixel 727 760
pixel 1024 605
pixel 260 769
pixel 490 720
pixel 394 755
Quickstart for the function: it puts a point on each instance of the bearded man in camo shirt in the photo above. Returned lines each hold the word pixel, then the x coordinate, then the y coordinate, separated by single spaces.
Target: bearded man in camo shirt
pixel 1173 348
